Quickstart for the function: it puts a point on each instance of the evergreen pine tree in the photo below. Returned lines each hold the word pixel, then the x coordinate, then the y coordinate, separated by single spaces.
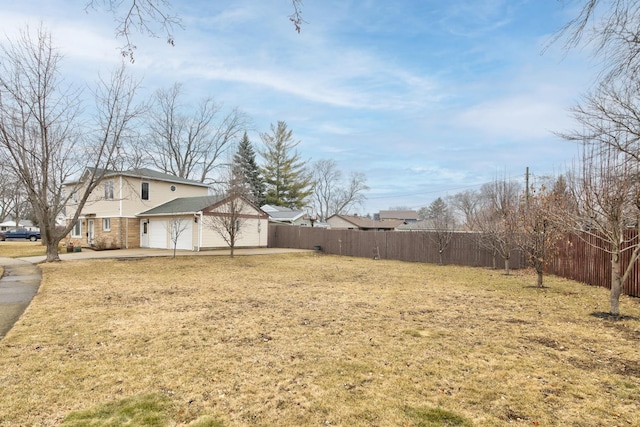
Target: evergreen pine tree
pixel 286 177
pixel 246 166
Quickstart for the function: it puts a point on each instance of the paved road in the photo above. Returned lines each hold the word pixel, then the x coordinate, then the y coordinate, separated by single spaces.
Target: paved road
pixel 21 278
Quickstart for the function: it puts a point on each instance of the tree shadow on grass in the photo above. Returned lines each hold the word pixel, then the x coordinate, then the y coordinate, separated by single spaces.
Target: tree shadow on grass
pixel 608 316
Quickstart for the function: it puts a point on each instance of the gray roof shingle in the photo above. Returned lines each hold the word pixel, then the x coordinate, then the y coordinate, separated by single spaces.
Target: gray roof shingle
pixel 183 205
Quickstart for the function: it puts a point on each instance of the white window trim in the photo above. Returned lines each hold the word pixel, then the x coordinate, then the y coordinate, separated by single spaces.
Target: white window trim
pixel 107 222
pixel 109 190
pixel 77 226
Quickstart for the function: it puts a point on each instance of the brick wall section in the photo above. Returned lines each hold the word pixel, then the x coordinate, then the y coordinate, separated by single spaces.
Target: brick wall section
pixel 124 233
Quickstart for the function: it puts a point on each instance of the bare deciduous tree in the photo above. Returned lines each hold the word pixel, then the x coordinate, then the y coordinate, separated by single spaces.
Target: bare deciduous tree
pixel 441 225
pixel 466 203
pixel 606 186
pixel 607 191
pixel 609 116
pixel 154 17
pixel 495 219
pixel 538 226
pixel 333 196
pixel 13 198
pixel 228 216
pixel 612 28
pixel 190 144
pixel 177 227
pixel 41 133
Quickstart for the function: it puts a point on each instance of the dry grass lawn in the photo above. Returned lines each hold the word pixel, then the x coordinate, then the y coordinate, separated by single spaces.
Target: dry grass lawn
pixel 19 249
pixel 308 340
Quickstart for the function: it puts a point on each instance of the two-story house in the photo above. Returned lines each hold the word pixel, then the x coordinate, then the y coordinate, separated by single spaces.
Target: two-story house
pixel 130 209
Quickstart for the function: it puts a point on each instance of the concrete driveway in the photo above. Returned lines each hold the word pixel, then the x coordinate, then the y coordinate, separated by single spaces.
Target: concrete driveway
pixel 19 283
pixel 21 278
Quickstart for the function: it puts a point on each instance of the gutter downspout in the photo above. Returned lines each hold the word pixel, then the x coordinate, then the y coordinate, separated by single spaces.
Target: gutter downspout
pixel 199 230
pixel 121 215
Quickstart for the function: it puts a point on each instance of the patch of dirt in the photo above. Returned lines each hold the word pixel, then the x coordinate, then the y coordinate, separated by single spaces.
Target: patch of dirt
pixel 625 367
pixel 550 343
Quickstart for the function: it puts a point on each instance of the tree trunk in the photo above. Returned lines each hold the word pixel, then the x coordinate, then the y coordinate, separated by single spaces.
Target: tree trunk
pixel 540 279
pixel 52 252
pixel 507 271
pixel 616 285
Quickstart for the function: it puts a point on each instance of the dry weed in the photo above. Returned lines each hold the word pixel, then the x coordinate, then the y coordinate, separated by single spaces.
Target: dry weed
pixel 295 340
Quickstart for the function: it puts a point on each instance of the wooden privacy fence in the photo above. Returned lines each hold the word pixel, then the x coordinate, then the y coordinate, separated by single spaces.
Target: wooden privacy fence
pixel 411 246
pixel 580 257
pixel 575 258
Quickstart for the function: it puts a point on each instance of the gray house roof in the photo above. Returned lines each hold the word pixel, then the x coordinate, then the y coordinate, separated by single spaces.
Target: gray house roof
pixel 364 223
pixel 405 215
pixel 183 205
pixel 145 173
pixel 280 213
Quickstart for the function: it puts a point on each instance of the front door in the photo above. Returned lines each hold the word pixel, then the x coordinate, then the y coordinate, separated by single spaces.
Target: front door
pixel 90 232
pixel 144 233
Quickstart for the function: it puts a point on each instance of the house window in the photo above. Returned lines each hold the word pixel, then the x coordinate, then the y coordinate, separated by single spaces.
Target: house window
pixel 237 225
pixel 145 191
pixel 108 190
pixel 77 229
pixel 106 224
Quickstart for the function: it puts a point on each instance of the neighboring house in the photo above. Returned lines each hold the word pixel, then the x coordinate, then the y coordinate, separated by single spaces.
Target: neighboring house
pixel 427 225
pixel 282 215
pixel 422 225
pixel 7 225
pixel 187 222
pixel 109 218
pixel 406 216
pixel 349 222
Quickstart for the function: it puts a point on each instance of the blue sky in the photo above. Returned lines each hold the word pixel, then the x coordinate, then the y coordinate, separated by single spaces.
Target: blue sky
pixel 427 97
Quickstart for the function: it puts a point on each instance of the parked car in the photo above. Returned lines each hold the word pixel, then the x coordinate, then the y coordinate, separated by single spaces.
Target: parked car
pixel 20 233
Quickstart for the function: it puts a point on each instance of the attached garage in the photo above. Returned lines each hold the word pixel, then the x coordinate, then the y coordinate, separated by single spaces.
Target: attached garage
pixel 193 219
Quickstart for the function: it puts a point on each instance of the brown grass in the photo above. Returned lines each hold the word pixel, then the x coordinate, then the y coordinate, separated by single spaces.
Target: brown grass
pixel 297 340
pixel 19 249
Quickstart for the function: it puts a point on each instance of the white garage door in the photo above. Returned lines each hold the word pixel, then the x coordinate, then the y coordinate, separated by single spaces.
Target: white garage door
pixel 158 235
pixel 185 237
